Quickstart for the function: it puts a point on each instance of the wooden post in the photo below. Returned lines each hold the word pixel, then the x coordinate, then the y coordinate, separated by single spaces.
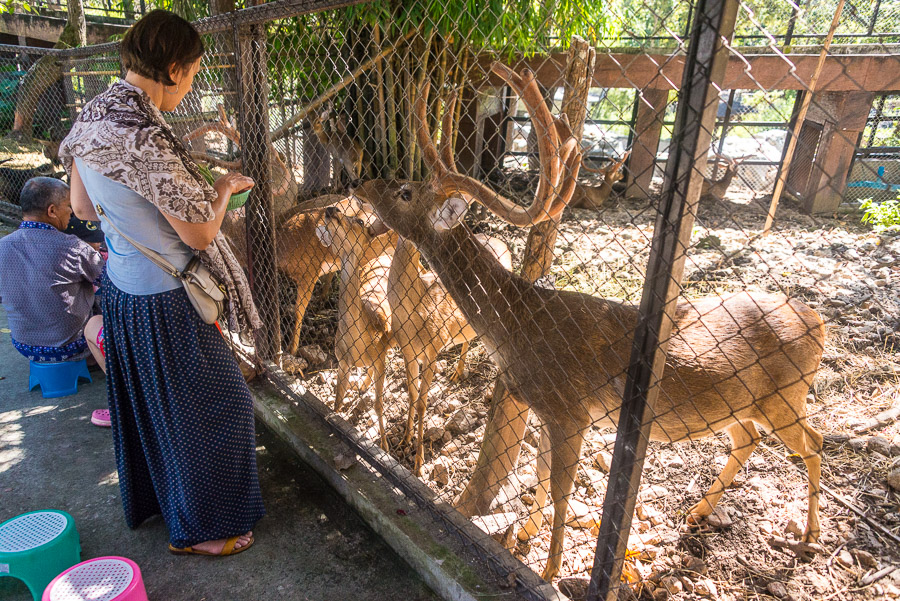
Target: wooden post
pixel 651 110
pixel 505 431
pixel 843 125
pixel 694 122
pixel 253 103
pixel 801 116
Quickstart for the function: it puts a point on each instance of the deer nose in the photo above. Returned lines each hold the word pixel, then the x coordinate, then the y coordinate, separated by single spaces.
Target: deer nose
pixel 332 212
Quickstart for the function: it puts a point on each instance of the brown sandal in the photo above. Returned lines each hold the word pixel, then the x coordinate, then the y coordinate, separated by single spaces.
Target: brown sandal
pixel 227 550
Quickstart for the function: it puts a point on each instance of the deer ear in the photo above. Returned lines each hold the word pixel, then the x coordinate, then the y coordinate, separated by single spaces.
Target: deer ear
pixel 323 235
pixel 449 215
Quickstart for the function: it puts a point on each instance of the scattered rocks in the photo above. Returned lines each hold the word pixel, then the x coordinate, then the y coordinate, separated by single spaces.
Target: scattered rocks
pixel 652 493
pixel 581 515
pixel 794 527
pixel 865 559
pixel 434 433
pixel 719 518
pixel 440 473
pixel 694 564
pixel 893 478
pixel 293 365
pixel 672 585
pixel 463 421
pixel 845 558
pixel 778 590
pixel 706 588
pixel 574 588
pixel 603 460
pixel 313 353
pixel 879 444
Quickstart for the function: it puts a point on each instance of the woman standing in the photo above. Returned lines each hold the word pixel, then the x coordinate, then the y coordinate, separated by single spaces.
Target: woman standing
pixel 181 412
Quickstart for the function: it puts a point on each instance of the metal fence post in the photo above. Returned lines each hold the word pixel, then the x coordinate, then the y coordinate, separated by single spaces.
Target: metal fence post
pixel 251 59
pixel 694 121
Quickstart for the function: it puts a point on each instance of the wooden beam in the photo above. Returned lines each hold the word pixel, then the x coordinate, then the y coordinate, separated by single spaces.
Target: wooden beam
pixel 849 73
pixel 647 129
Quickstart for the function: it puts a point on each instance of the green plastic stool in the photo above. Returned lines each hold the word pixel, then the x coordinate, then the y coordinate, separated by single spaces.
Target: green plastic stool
pixel 37 546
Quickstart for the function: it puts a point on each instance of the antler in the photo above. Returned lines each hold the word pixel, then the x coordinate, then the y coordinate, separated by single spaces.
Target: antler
pixel 611 168
pixel 225 128
pixel 557 149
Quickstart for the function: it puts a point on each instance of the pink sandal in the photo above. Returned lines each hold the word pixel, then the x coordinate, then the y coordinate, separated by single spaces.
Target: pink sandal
pixel 100 417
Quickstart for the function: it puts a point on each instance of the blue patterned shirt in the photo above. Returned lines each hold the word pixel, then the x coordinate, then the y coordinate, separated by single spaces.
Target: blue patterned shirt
pixel 46 284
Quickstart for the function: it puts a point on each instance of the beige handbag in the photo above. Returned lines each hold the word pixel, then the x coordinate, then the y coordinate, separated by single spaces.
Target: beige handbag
pixel 204 290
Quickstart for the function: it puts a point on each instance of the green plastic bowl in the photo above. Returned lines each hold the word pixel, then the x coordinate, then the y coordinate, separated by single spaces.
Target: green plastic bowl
pixel 237 200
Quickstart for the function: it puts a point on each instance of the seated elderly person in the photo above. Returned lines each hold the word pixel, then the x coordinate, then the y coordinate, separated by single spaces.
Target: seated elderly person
pixel 47 277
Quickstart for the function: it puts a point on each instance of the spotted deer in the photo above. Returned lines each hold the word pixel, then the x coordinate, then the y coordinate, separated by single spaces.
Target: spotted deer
pixel 425 320
pixel 593 197
pixel 364 318
pixel 733 362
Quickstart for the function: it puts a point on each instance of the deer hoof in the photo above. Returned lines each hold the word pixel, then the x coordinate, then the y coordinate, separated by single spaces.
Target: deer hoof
pixel 551 570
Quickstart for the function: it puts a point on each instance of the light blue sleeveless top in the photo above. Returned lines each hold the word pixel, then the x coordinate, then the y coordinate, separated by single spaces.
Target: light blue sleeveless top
pixel 127 268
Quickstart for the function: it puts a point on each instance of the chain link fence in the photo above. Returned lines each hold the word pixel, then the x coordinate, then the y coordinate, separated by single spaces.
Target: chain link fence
pixel 397 148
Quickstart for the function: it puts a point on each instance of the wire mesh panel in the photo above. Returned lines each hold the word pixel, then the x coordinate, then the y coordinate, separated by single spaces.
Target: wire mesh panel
pixel 479 228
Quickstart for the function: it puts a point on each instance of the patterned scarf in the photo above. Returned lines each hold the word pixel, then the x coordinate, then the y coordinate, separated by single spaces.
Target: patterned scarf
pixel 122 135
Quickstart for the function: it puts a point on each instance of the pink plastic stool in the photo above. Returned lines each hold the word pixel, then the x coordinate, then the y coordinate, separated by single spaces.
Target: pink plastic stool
pixel 100 579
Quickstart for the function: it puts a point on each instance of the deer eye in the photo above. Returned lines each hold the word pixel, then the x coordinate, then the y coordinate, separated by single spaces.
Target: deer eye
pixel 405 194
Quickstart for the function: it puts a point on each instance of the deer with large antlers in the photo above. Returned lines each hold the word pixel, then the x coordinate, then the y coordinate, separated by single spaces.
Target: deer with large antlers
pixel 733 362
pixel 593 197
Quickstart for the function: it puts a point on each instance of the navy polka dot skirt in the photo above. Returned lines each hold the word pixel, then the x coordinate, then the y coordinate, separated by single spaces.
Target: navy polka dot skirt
pixel 182 419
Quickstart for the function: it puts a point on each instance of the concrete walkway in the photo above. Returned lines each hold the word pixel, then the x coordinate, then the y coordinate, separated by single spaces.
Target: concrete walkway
pixel 309 546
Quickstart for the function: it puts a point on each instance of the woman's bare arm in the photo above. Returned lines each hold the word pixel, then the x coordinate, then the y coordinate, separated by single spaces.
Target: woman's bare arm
pixel 199 235
pixel 82 205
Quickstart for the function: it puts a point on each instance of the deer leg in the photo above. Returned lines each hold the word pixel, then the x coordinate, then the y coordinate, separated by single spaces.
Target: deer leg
pixel 799 437
pixel 305 287
pixel 460 370
pixel 421 405
pixel 325 288
pixel 343 381
pixel 412 386
pixel 536 516
pixel 379 369
pixel 498 455
pixel 744 438
pixel 564 455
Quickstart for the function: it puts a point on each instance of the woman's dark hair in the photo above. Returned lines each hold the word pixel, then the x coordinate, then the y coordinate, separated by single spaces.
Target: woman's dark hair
pixel 158 41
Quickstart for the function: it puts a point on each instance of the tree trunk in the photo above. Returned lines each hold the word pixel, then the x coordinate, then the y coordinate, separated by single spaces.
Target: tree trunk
pixel 45 72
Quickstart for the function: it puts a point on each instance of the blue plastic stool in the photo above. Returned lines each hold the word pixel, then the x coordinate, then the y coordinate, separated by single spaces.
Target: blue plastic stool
pixel 57 379
pixel 36 547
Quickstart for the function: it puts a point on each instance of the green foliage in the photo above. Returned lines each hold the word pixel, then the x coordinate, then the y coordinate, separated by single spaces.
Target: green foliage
pixel 881 215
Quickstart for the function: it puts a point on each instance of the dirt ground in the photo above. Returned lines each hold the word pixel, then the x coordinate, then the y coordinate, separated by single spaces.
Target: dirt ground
pixel 844 270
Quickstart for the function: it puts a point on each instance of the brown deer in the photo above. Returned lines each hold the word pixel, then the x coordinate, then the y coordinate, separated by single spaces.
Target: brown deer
pixel 298 253
pixel 717 188
pixel 347 152
pixel 364 320
pixel 594 197
pixel 733 362
pixel 424 321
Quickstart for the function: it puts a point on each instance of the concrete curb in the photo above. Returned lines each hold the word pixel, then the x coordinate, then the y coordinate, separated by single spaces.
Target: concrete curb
pixel 452 564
